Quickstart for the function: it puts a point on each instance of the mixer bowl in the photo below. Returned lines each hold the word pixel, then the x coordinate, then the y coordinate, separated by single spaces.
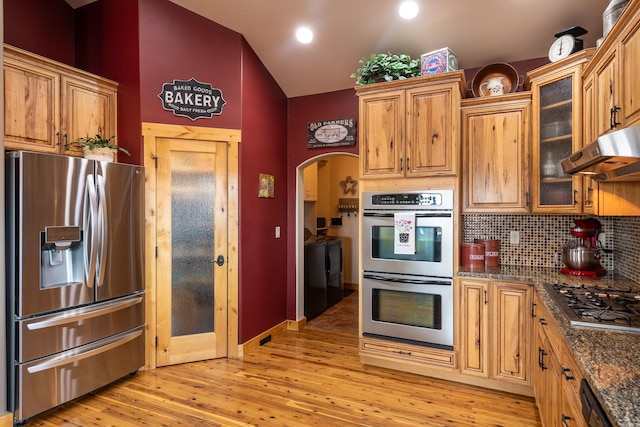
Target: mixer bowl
pixel 580 258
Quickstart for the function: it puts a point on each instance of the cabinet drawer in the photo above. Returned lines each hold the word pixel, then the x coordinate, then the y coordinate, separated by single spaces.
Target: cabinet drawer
pixel 571 374
pixel 432 356
pixel 544 320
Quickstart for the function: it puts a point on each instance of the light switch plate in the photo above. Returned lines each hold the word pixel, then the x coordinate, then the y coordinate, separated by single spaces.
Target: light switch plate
pixel 514 237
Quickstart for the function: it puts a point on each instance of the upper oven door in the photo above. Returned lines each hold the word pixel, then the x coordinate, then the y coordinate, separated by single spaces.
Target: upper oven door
pixel 433 245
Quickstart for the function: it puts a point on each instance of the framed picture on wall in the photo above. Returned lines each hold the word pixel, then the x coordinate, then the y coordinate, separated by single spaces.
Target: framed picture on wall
pixel 266 186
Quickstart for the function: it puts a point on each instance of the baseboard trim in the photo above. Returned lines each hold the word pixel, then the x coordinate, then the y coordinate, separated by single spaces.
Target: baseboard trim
pixel 6 420
pixel 254 342
pixel 296 325
pixel 353 286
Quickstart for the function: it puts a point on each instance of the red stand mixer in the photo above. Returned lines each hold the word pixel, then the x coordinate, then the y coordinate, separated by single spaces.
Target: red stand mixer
pixel 581 256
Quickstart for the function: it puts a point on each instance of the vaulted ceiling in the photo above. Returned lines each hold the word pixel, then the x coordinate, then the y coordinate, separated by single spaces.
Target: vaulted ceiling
pixel 479 32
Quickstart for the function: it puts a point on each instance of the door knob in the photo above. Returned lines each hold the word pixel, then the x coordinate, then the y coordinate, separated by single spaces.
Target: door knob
pixel 220 260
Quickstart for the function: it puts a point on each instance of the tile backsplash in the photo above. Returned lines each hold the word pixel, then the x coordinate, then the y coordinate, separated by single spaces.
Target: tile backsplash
pixel 542 238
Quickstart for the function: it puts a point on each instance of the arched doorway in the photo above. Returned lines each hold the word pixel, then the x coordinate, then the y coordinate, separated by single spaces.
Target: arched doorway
pixel 347 167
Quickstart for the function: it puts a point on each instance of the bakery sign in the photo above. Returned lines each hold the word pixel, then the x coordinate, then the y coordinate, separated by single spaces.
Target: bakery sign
pixel 191 98
pixel 331 133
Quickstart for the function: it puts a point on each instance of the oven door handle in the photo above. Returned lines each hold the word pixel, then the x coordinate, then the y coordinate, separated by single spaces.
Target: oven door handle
pixel 418 215
pixel 410 281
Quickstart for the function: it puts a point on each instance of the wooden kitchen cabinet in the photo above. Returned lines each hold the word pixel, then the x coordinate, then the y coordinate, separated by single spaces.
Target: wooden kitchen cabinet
pixel 571 377
pixel 556 374
pixel 557 133
pixel 311 183
pixel 496 141
pixel 546 374
pixel 611 98
pixel 495 330
pixel 49 104
pixel 614 72
pixel 409 128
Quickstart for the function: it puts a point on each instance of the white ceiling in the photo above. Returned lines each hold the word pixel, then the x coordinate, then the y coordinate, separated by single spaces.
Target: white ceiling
pixel 479 32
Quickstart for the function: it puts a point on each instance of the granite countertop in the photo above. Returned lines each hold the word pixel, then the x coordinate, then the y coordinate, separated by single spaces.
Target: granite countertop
pixel 610 360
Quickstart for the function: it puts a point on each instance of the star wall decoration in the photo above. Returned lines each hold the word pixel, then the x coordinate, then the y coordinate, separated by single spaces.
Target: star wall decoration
pixel 349 185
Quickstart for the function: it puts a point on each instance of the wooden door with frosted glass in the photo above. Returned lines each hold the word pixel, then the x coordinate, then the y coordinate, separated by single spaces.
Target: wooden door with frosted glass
pixel 191 250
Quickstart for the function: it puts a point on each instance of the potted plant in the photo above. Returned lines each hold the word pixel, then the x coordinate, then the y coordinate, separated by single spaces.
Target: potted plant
pixel 386 67
pixel 97 147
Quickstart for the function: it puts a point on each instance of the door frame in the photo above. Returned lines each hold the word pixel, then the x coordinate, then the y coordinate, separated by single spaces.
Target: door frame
pixel 299 276
pixel 151 132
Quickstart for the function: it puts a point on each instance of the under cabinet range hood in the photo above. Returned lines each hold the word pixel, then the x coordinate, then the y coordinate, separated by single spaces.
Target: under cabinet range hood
pixel 614 156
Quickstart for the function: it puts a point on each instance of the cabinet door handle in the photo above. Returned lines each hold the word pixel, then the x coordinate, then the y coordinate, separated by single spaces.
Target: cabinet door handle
pixel 589 194
pixel 542 321
pixel 485 297
pixel 567 376
pixel 575 197
pixel 542 355
pixel 565 418
pixel 533 309
pixel 613 122
pixel 434 137
pixel 400 164
pixel 58 138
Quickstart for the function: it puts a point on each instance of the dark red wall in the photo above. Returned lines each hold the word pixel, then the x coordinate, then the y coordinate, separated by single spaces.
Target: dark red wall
pixel 176 44
pixel 42 27
pixel 154 42
pixel 302 110
pixel 112 51
pixel 263 267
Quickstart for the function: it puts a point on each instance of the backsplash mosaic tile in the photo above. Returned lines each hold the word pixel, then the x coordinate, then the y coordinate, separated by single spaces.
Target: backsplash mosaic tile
pixel 627 246
pixel 542 238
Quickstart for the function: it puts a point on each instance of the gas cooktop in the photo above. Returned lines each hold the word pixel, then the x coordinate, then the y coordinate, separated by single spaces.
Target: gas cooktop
pixel 600 307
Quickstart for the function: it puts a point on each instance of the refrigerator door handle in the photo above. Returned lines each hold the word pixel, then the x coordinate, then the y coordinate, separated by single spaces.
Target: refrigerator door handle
pixel 83 314
pixel 90 238
pixel 103 230
pixel 97 348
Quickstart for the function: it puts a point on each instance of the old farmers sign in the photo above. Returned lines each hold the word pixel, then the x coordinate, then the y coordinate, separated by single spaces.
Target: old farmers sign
pixel 330 133
pixel 191 98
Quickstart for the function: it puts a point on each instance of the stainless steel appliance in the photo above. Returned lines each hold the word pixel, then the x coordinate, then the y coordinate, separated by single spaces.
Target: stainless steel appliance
pixel 75 277
pixel 408 296
pixel 614 156
pixel 607 308
pixel 582 255
pixel 592 411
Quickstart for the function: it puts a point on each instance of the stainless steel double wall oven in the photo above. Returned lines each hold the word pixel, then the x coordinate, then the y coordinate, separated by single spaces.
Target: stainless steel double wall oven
pixel 408 296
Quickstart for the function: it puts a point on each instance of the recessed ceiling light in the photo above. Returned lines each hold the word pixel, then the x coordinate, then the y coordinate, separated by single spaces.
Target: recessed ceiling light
pixel 408 9
pixel 304 35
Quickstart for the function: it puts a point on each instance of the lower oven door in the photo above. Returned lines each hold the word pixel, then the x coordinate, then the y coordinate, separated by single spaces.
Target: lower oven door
pixel 416 309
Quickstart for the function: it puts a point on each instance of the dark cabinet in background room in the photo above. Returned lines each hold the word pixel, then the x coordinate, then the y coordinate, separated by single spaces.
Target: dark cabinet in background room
pixel 323 275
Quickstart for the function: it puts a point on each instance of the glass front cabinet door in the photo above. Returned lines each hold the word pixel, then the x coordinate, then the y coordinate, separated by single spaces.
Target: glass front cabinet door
pixel 557 133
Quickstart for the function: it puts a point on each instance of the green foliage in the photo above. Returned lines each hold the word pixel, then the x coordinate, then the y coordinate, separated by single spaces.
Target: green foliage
pixel 386 67
pixel 97 141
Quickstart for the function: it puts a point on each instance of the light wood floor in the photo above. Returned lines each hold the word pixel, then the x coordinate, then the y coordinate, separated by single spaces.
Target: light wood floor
pixel 308 378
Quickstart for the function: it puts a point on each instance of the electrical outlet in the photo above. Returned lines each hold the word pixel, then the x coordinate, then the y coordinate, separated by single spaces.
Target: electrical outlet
pixel 277 232
pixel 514 237
pixel 602 238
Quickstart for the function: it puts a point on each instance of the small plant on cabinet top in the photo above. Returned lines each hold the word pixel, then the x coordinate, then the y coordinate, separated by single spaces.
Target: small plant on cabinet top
pixel 92 142
pixel 383 67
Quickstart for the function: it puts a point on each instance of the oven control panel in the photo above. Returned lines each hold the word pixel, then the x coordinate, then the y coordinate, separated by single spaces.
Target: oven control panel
pixel 421 199
pixel 442 199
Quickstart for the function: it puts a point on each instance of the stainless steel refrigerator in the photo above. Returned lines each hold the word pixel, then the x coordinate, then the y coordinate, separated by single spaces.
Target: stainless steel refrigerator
pixel 75 277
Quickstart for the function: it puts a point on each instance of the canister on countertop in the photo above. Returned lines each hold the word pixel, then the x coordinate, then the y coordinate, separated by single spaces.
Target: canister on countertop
pixel 491 251
pixel 472 255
